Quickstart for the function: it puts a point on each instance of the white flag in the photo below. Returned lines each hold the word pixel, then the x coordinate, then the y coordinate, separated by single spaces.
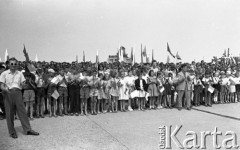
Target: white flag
pixel 6 55
pixel 36 58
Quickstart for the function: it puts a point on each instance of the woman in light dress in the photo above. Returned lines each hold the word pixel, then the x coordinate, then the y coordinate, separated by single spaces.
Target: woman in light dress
pixel 123 91
pixel 152 89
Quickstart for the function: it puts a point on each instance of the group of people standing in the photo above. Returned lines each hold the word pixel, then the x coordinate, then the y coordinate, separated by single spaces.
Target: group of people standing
pixel 73 91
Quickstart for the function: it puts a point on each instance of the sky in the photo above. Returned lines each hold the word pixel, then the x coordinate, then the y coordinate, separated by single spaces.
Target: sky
pixel 58 30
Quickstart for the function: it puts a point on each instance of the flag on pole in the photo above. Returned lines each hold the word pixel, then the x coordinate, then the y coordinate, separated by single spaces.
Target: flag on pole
pixel 83 56
pixel 76 58
pixel 148 55
pixel 97 60
pixel 168 49
pixel 119 55
pixel 168 59
pixel 145 52
pixel 122 53
pixel 97 57
pixel 36 58
pixel 133 56
pixel 141 55
pixel 6 56
pixel 232 60
pixel 178 57
pixel 224 54
pixel 152 55
pixel 26 54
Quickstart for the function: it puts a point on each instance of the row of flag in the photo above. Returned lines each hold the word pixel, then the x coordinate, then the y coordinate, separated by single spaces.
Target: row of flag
pixel 176 56
pixel 121 53
pixel 6 56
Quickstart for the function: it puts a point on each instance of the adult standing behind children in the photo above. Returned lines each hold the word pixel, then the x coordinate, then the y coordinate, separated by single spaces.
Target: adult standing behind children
pixel 11 83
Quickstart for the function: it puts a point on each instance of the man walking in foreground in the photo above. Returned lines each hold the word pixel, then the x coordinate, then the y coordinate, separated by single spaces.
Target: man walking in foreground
pixel 11 82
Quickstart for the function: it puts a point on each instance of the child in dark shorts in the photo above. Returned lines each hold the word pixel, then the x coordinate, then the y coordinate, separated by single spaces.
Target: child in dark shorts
pixel 169 90
pixel 84 93
pixel 40 94
pixel 63 94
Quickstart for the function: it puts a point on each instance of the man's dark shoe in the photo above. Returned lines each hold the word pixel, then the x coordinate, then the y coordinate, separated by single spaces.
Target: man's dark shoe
pixel 32 132
pixel 179 108
pixel 2 117
pixel 14 135
pixel 188 108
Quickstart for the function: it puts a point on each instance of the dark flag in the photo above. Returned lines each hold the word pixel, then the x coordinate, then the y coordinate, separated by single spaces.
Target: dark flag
pixel 152 56
pixel 168 49
pixel 83 56
pixel 77 58
pixel 25 54
pixel 224 54
pixel 141 55
pixel 144 51
pixel 132 54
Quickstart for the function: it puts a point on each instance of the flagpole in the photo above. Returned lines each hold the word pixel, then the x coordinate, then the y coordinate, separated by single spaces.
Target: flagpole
pixel 141 56
pixel 152 55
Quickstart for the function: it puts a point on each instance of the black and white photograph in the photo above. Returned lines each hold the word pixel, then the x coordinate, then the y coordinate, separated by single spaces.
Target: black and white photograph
pixel 119 74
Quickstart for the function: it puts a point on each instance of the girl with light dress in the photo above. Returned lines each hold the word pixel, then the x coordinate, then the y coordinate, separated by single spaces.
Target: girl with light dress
pixel 101 94
pixel 152 89
pixel 123 91
pixel 114 92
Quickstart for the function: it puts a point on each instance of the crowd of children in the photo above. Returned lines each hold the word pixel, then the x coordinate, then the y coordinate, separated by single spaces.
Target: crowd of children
pixel 73 89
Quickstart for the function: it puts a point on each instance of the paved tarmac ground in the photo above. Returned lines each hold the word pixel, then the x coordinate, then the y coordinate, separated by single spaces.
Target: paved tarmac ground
pixel 123 130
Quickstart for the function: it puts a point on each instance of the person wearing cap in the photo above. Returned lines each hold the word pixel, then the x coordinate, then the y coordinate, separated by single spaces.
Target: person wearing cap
pixel 11 84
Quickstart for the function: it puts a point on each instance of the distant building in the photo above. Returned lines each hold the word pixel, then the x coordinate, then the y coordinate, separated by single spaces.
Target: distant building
pixel 115 58
pixel 112 58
